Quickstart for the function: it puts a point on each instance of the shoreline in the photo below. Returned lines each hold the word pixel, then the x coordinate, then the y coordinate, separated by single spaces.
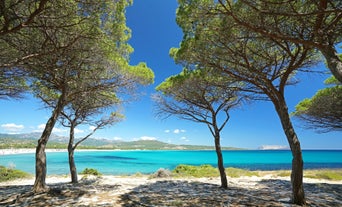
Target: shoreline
pixel 53 179
pixel 14 151
pixel 26 151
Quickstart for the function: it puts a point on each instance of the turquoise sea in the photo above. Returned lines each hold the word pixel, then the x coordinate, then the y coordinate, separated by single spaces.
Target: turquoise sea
pixel 130 162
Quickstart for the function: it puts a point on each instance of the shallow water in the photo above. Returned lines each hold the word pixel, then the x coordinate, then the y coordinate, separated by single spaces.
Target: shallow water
pixel 130 162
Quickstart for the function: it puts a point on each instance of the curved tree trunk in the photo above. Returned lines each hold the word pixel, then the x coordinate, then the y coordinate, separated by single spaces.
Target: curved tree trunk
pixel 333 61
pixel 72 165
pixel 298 195
pixel 224 182
pixel 39 184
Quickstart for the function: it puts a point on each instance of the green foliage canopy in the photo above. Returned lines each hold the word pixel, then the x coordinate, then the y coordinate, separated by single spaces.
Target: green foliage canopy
pixel 311 23
pixel 197 95
pixel 323 111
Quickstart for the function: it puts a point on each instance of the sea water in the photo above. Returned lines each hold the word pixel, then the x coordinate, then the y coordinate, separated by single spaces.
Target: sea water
pixel 143 161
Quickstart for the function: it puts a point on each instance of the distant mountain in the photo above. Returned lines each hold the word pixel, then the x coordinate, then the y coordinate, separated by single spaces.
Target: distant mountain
pixel 59 142
pixel 33 135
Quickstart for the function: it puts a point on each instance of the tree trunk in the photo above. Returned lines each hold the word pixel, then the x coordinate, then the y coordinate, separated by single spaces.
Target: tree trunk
pixel 71 150
pixel 39 184
pixel 333 61
pixel 224 182
pixel 298 195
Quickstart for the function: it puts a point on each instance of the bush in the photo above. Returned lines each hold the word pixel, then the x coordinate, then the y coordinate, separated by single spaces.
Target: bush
pixel 236 172
pixel 90 171
pixel 283 173
pixel 196 171
pixel 324 174
pixel 138 174
pixel 7 174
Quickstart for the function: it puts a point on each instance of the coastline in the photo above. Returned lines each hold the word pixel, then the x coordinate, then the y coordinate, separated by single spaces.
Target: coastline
pixel 14 151
pixel 26 151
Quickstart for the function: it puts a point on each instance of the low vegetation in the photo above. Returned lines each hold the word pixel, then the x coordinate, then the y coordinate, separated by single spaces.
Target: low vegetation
pixel 184 171
pixel 236 172
pixel 195 171
pixel 210 171
pixel 91 171
pixel 7 174
pixel 327 174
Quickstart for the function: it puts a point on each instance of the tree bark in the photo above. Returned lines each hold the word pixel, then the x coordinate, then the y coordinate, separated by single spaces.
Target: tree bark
pixel 333 61
pixel 39 184
pixel 72 166
pixel 224 182
pixel 298 195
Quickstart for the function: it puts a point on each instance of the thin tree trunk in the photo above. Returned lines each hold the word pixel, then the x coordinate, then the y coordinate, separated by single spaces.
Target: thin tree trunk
pixel 298 195
pixel 71 150
pixel 333 61
pixel 224 182
pixel 39 184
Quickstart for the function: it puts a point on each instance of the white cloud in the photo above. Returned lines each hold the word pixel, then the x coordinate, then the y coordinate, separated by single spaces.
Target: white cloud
pixel 56 130
pixel 78 131
pixel 147 138
pixel 117 138
pixel 177 131
pixel 59 130
pixel 92 128
pixel 12 128
pixel 40 128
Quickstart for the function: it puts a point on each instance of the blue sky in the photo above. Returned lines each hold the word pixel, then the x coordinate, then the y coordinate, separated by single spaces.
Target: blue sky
pixel 154 32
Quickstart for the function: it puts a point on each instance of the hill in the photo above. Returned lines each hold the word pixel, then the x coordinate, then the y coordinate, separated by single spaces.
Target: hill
pixel 59 142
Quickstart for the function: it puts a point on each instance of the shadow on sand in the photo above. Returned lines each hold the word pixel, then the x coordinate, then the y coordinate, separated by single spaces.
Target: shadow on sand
pixel 264 193
pixel 59 194
pixel 170 193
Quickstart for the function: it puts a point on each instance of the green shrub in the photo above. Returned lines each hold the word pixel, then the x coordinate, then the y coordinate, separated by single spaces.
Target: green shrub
pixel 236 172
pixel 91 171
pixel 283 173
pixel 195 171
pixel 138 174
pixel 324 174
pixel 7 174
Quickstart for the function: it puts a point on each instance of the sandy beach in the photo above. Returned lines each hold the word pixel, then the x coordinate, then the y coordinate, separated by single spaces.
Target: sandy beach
pixel 265 190
pixel 144 191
